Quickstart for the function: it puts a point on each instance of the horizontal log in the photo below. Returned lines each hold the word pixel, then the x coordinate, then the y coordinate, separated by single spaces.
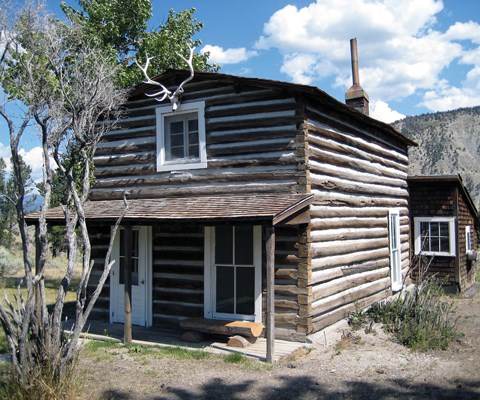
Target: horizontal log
pixel 319 211
pixel 350 222
pixel 329 249
pixel 344 185
pixel 325 197
pixel 352 258
pixel 327 319
pixel 238 341
pixel 130 159
pixel 356 175
pixel 349 296
pixel 221 327
pixel 346 234
pixel 354 144
pixel 145 192
pixel 348 282
pixel 290 334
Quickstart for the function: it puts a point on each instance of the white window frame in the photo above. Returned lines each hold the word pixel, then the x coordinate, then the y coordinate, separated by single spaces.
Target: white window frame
pixel 185 108
pixel 395 249
pixel 209 277
pixel 468 238
pixel 451 234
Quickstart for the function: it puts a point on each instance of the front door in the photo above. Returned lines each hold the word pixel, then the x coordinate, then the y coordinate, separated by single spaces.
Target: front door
pixel 233 273
pixel 141 272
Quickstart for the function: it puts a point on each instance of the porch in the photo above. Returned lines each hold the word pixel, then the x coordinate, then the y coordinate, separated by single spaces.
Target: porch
pixel 170 337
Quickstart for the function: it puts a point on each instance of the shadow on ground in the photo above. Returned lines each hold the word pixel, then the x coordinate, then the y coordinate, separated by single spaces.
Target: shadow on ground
pixel 307 388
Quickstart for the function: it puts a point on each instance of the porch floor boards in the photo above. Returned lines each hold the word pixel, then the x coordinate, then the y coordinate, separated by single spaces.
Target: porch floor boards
pixel 155 336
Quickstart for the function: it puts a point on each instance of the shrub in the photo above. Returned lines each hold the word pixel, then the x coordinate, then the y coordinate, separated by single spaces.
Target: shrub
pixel 9 263
pixel 421 319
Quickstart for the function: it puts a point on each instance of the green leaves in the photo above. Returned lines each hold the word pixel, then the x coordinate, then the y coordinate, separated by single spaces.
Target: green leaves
pixel 119 28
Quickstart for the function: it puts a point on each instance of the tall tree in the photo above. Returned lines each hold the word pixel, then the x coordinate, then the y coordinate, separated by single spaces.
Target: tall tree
pixel 67 88
pixel 9 195
pixel 120 27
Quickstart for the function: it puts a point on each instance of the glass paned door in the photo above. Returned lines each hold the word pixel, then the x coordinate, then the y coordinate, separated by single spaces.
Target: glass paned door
pixel 236 272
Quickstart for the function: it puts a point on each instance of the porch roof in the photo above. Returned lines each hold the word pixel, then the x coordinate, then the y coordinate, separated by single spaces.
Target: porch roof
pixel 276 208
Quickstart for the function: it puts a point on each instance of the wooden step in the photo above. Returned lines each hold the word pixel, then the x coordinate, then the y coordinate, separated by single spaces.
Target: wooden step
pixel 222 327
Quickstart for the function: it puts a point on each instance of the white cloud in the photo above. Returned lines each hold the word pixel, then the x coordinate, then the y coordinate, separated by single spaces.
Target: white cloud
pixel 382 111
pixel 401 50
pixel 445 97
pixel 32 157
pixel 228 56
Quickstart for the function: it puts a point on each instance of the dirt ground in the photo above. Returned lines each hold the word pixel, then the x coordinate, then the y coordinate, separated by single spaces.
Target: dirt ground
pixel 365 366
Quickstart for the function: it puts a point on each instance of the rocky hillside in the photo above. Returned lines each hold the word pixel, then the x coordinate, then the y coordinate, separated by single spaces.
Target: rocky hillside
pixel 448 143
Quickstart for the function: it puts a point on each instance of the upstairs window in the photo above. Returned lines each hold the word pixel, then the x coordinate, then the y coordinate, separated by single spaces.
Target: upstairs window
pixel 435 236
pixel 181 137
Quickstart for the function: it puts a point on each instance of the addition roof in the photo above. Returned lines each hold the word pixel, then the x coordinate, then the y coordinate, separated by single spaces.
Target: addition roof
pixel 274 208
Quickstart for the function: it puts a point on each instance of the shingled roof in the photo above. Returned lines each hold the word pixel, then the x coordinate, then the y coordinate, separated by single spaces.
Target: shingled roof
pixel 269 207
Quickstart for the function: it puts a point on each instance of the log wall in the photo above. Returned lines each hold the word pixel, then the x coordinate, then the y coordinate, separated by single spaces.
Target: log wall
pixel 356 179
pixel 250 141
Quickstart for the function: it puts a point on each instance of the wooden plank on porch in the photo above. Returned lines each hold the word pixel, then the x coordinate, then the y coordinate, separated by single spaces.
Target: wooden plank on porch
pixel 222 327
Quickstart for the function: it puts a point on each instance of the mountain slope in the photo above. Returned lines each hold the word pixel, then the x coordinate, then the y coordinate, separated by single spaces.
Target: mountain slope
pixel 448 143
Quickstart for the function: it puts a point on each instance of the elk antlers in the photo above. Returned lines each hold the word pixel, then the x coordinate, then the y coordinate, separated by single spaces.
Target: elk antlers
pixel 164 92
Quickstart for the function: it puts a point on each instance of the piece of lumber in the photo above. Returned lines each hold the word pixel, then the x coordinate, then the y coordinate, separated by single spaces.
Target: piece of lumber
pixel 221 327
pixel 193 337
pixel 238 341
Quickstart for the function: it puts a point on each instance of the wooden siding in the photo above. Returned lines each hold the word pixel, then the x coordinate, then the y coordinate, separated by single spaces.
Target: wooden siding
pixel 356 179
pixel 467 270
pixel 446 198
pixel 250 141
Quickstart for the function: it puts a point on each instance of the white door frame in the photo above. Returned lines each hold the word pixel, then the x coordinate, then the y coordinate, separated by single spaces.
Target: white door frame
pixel 210 276
pixel 395 249
pixel 117 289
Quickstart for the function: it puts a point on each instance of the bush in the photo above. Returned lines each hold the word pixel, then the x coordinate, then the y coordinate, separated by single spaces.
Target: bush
pixel 9 263
pixel 421 319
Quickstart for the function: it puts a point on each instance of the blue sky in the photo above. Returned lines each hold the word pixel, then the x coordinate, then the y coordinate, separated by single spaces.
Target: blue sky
pixel 415 56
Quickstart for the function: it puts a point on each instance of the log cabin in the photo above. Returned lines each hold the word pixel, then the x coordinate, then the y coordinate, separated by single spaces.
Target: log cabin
pixel 445 225
pixel 255 200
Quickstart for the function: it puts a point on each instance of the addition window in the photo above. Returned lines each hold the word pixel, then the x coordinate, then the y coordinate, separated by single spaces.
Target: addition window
pixel 435 236
pixel 181 137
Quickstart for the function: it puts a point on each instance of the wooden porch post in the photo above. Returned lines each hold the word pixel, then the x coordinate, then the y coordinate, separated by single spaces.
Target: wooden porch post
pixel 127 273
pixel 270 318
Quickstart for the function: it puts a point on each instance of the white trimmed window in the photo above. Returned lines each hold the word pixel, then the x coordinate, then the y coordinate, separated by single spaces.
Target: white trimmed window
pixel 468 238
pixel 181 137
pixel 435 236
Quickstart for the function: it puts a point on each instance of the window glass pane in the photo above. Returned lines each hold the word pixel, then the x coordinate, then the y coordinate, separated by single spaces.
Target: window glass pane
pixel 193 125
pixel 193 138
pixel 176 140
pixel 135 257
pixel 434 244
pixel 176 127
pixel 444 229
pixel 243 245
pixel 224 245
pixel 445 244
pixel 434 230
pixel 193 151
pixel 245 290
pixel 225 301
pixel 174 153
